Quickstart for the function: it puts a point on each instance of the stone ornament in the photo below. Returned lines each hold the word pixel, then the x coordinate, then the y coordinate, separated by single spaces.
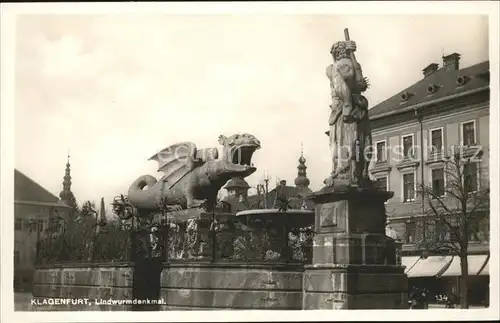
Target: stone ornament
pixel 192 177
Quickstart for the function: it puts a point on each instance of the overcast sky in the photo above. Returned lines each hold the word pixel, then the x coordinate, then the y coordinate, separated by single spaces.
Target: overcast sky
pixel 116 89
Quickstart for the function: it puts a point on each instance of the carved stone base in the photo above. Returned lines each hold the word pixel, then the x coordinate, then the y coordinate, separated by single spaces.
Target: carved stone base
pixel 244 287
pixel 354 263
pixel 354 287
pixel 356 249
pixel 347 209
pixel 80 282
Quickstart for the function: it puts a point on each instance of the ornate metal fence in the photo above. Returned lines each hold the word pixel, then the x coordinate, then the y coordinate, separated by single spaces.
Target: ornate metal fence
pixel 265 238
pixel 75 246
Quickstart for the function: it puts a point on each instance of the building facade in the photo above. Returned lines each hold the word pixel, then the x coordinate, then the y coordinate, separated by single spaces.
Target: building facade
pixel 36 213
pixel 413 131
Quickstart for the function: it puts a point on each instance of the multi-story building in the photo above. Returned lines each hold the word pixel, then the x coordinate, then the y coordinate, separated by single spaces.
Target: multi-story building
pixel 36 210
pixel 412 132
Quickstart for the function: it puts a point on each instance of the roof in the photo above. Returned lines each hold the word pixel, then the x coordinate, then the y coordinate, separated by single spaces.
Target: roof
pixel 26 189
pixel 446 82
pixel 36 203
pixel 236 182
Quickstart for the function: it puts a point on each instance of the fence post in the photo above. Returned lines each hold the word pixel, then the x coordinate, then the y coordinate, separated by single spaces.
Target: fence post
pixel 166 229
pixel 212 228
pixel 286 251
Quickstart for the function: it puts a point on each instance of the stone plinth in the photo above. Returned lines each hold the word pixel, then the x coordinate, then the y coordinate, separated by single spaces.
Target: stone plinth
pixel 354 287
pixel 354 263
pixel 83 281
pixel 231 286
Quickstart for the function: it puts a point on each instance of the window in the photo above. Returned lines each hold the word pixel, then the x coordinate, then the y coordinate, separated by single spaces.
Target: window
pixel 437 176
pixel 474 235
pixel 411 229
pixel 382 182
pixel 17 257
pixel 442 232
pixel 408 146
pixel 484 229
pixel 18 224
pixel 17 253
pixel 409 187
pixel 436 140
pixel 470 177
pixel 39 224
pixel 381 152
pixel 453 234
pixel 469 133
pixel 429 231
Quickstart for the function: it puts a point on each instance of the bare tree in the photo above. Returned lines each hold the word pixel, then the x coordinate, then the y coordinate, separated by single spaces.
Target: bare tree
pixel 88 208
pixel 456 210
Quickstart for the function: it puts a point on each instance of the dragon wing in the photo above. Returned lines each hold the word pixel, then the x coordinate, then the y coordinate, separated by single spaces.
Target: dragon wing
pixel 172 161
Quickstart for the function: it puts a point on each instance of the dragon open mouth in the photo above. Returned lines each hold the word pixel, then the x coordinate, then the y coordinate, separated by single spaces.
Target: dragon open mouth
pixel 242 155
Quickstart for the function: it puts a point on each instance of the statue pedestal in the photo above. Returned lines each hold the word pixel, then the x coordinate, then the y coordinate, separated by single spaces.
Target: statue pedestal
pixel 354 264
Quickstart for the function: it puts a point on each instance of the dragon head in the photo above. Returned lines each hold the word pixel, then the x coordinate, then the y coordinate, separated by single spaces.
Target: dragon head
pixel 238 150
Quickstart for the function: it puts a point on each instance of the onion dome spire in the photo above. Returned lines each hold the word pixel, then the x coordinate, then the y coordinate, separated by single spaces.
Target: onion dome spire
pixel 302 180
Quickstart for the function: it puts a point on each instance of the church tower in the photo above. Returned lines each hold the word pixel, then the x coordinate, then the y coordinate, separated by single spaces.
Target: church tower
pixel 302 181
pixel 66 194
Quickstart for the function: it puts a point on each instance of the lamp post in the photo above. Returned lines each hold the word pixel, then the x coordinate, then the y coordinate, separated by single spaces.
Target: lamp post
pixel 266 181
pixel 420 117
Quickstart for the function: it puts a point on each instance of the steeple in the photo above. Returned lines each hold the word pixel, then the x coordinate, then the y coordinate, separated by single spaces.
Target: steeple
pixel 66 195
pixel 302 180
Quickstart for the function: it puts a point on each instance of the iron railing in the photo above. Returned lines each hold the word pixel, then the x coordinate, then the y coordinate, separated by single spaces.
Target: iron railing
pixel 275 238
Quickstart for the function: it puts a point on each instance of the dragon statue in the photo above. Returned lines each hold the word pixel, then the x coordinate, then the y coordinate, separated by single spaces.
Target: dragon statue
pixel 192 177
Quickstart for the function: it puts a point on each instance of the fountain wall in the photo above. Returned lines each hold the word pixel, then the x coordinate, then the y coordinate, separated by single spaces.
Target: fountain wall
pixel 223 261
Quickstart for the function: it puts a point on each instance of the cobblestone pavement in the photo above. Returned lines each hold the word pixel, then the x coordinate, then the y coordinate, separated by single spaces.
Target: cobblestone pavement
pixel 22 303
pixel 437 306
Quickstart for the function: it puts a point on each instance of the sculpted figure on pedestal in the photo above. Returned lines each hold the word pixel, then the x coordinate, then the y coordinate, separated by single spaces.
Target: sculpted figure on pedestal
pixel 350 133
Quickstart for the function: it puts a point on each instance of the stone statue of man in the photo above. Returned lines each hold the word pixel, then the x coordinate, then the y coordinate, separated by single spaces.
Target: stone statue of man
pixel 350 133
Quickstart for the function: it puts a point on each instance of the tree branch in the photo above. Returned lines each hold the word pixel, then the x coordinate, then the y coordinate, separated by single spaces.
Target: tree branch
pixel 443 216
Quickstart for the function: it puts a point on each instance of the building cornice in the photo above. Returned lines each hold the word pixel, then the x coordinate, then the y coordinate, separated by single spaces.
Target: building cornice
pixel 413 122
pixel 403 218
pixel 437 159
pixel 430 103
pixel 35 203
pixel 408 164
pixel 381 168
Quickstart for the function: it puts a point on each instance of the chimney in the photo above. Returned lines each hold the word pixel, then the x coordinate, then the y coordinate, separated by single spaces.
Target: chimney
pixel 450 62
pixel 431 68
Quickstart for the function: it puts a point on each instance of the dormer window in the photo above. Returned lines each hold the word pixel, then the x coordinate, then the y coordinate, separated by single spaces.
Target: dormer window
pixel 405 96
pixel 462 80
pixel 432 88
